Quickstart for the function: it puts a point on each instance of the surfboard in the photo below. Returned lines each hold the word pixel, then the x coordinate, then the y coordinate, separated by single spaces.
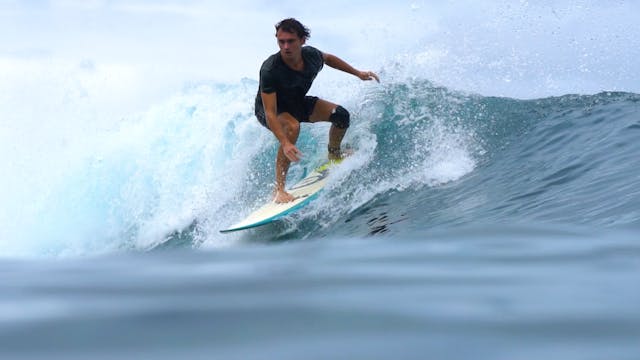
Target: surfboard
pixel 304 192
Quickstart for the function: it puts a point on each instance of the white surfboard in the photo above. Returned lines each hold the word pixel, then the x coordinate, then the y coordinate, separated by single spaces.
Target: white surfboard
pixel 304 191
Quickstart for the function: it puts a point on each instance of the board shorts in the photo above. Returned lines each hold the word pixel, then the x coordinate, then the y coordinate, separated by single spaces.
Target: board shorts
pixel 300 113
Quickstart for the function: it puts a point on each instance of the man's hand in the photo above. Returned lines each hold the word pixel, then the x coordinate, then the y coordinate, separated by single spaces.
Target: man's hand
pixel 368 75
pixel 291 152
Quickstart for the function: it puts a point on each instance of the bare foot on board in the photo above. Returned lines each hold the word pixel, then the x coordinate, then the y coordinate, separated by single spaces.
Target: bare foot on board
pixel 282 197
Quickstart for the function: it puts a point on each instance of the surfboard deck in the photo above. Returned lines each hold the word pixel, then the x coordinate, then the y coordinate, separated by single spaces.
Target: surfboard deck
pixel 304 192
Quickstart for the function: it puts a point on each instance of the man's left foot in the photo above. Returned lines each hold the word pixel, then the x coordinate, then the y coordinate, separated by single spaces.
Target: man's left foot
pixel 335 154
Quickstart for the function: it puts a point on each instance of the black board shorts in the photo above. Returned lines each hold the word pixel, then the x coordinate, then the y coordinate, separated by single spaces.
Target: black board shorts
pixel 300 113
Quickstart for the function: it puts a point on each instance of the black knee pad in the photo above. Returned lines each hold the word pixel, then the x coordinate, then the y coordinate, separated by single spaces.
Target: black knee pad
pixel 340 117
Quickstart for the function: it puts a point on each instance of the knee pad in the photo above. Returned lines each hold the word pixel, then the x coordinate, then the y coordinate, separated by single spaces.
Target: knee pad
pixel 340 117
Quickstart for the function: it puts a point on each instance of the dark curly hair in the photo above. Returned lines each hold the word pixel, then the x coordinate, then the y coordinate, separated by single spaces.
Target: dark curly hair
pixel 294 26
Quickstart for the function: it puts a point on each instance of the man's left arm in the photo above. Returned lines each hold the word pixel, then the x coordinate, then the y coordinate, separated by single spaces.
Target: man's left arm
pixel 337 63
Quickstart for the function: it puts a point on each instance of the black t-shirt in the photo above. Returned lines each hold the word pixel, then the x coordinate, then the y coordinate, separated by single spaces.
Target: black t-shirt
pixel 290 85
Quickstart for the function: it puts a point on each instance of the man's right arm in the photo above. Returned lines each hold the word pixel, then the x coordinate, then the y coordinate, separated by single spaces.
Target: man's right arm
pixel 269 102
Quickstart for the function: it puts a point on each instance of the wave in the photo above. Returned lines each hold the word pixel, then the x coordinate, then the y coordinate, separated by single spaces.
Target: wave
pixel 426 157
pixel 562 160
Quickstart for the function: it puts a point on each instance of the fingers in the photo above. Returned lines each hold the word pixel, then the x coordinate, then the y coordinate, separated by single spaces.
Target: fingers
pixel 295 155
pixel 292 153
pixel 369 75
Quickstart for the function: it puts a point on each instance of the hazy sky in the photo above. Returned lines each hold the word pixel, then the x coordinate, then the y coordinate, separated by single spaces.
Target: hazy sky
pixel 514 48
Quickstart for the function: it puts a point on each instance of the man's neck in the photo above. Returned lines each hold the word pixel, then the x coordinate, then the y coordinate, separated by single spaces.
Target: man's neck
pixel 296 63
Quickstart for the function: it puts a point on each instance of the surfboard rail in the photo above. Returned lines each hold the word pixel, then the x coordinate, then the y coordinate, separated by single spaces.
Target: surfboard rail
pixel 304 191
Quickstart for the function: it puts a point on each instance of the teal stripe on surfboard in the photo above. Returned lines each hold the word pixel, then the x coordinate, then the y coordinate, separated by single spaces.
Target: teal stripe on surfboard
pixel 275 217
pixel 306 189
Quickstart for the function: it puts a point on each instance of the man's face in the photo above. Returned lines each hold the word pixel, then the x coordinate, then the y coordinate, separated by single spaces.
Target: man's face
pixel 290 44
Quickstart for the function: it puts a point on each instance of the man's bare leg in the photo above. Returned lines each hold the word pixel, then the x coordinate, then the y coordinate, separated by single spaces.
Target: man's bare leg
pixel 335 139
pixel 322 112
pixel 282 168
pixel 292 128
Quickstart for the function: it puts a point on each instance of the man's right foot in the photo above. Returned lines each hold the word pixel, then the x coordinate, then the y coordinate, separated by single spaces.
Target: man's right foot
pixel 282 197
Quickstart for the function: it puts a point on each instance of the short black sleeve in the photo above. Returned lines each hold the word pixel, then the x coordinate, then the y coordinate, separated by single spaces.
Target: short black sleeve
pixel 267 81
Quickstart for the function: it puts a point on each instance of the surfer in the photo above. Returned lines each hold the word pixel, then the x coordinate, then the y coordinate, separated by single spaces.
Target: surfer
pixel 282 101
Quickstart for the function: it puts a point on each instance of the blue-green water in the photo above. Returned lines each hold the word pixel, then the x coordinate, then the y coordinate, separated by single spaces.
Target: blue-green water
pixel 506 293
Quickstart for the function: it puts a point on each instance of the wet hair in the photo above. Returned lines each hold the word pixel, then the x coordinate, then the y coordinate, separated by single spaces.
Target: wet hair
pixel 294 26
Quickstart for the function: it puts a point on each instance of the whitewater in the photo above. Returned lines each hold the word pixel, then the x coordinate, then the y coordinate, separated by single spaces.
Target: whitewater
pixel 491 208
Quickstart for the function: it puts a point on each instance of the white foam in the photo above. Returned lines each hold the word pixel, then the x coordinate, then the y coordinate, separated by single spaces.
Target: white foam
pixel 129 186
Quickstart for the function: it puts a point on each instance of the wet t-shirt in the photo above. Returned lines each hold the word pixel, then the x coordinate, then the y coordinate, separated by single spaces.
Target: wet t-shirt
pixel 290 85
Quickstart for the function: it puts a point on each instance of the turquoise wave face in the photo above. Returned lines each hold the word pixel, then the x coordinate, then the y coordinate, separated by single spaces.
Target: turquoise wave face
pixel 562 160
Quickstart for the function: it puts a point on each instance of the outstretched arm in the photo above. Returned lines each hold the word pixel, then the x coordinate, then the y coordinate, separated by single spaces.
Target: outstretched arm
pixel 337 63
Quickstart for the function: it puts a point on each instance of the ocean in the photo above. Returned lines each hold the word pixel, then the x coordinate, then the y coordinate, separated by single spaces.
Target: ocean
pixel 491 209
